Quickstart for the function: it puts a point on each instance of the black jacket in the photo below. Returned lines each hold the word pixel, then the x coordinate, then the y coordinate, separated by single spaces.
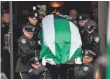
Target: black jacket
pixel 86 71
pixel 4 30
pixel 26 50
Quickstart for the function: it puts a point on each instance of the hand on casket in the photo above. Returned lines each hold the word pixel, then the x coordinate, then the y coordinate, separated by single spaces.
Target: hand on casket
pixel 37 70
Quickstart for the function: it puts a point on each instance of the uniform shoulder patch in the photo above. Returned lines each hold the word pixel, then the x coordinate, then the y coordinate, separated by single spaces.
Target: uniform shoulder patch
pixel 97 39
pixel 23 41
pixel 86 68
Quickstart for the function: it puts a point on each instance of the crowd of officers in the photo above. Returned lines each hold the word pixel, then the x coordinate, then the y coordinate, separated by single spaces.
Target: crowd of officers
pixel 29 65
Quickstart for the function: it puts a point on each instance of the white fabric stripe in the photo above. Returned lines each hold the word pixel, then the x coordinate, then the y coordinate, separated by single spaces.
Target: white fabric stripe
pixel 49 33
pixel 75 39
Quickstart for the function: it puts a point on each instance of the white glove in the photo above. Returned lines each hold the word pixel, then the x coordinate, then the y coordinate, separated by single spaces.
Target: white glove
pixel 49 60
pixel 78 61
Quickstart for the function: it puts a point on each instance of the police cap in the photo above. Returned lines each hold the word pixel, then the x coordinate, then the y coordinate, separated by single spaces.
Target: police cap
pixel 82 17
pixel 33 15
pixel 89 53
pixel 34 60
pixel 29 28
pixel 90 25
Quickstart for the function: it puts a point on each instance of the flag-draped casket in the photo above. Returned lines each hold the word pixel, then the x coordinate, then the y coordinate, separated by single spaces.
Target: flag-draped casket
pixel 61 41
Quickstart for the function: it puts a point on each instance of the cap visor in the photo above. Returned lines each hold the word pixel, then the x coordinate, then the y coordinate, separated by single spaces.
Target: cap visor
pixel 31 33
pixel 87 56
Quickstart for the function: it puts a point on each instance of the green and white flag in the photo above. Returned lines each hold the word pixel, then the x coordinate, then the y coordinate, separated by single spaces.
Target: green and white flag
pixel 61 41
pixel 108 46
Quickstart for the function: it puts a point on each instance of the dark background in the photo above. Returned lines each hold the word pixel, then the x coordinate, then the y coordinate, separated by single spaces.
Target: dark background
pixel 81 6
pixel 20 6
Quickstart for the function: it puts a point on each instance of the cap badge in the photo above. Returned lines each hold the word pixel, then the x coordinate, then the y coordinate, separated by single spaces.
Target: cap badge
pixel 36 14
pixel 33 29
pixel 80 17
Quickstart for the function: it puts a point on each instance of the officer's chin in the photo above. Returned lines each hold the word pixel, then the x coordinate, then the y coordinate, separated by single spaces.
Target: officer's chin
pixel 84 62
pixel 30 36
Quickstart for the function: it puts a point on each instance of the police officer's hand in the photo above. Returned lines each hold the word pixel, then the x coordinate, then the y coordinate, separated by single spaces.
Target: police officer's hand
pixel 36 65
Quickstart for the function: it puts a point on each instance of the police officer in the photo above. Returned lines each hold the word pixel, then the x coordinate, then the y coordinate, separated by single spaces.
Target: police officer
pixel 27 49
pixel 92 37
pixel 32 18
pixel 86 70
pixel 81 20
pixel 5 64
pixel 73 13
pixel 5 29
pixel 89 33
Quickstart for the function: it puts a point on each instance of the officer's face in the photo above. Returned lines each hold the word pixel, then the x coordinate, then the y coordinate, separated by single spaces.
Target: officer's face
pixel 87 59
pixel 89 29
pixel 5 18
pixel 82 22
pixel 33 21
pixel 73 13
pixel 30 35
pixel 27 34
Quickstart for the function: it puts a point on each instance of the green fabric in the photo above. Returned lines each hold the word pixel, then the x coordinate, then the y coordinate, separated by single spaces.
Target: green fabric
pixel 62 43
pixel 62 39
pixel 108 61
pixel 48 54
pixel 62 31
pixel 58 58
pixel 78 53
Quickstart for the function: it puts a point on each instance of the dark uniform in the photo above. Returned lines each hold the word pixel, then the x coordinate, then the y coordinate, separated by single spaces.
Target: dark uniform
pixel 4 30
pixel 91 40
pixel 35 16
pixel 27 49
pixel 89 34
pixel 5 55
pixel 86 70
